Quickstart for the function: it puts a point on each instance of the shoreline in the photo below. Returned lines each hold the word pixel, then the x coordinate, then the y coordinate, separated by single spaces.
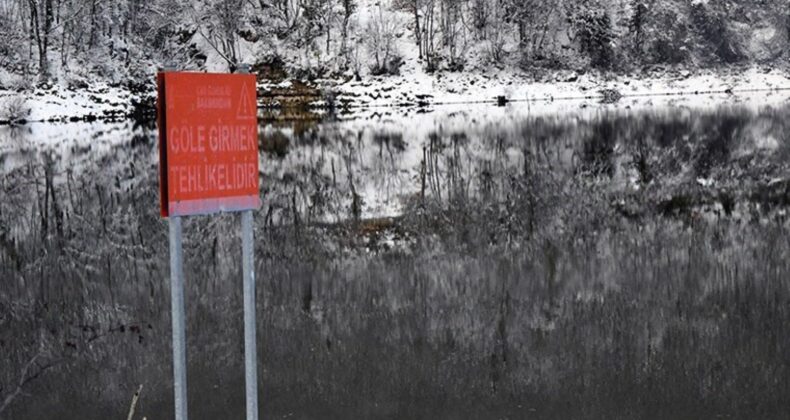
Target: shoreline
pixel 101 102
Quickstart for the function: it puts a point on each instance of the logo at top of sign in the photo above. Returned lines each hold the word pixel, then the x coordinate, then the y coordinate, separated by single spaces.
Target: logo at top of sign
pixel 247 109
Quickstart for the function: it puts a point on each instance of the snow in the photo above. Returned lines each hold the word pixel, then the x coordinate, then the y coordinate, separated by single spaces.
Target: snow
pixel 455 88
pixel 476 84
pixel 57 103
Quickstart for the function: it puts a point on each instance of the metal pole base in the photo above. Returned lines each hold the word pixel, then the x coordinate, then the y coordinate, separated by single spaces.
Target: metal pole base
pixel 250 352
pixel 179 325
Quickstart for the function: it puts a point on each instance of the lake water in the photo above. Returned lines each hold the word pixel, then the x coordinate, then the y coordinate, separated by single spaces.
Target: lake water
pixel 535 260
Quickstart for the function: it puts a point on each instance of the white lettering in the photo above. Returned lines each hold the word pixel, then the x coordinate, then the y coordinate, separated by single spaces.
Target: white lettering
pixel 201 139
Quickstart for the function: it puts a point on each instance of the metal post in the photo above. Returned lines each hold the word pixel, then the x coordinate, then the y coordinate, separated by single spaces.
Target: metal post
pixel 248 266
pixel 250 352
pixel 179 328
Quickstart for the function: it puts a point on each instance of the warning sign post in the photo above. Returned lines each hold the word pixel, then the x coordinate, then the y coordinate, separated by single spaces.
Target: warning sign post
pixel 208 163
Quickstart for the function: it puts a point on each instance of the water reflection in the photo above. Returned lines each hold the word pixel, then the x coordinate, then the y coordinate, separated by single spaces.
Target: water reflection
pixel 595 259
pixel 327 169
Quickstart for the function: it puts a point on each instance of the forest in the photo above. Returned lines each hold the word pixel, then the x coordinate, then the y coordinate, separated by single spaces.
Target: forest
pixel 76 42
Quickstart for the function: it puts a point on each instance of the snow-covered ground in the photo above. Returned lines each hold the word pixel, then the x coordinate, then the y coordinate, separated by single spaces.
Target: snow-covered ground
pixel 479 81
pixel 414 87
pixel 57 103
pixel 446 88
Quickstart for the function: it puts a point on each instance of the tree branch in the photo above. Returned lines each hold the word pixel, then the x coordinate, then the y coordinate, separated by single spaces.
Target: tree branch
pixel 25 378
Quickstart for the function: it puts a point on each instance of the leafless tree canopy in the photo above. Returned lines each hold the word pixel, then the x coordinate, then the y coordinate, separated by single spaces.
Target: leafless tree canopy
pixel 123 40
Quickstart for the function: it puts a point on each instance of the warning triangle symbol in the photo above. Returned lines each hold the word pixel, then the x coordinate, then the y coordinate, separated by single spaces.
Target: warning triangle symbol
pixel 247 108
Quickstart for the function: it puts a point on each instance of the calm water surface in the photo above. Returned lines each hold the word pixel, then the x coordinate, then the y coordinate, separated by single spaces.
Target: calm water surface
pixel 571 260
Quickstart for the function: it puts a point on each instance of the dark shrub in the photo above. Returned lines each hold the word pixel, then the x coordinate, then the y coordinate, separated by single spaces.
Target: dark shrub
pixel 594 30
pixel 669 38
pixel 710 24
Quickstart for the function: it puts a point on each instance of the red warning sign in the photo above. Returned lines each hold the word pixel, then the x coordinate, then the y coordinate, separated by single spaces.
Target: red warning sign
pixel 208 143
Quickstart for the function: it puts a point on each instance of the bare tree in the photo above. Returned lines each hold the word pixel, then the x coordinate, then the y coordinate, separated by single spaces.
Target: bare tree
pixel 414 8
pixel 349 7
pixel 453 28
pixel 319 17
pixel 497 37
pixel 218 24
pixel 381 40
pixel 428 35
pixel 286 12
pixel 481 14
pixel 41 16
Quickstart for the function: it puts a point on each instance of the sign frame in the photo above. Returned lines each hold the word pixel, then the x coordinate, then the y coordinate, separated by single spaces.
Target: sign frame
pixel 208 148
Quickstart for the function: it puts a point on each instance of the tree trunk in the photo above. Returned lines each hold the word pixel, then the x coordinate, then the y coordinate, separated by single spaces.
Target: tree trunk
pixel 43 59
pixel 344 40
pixel 92 37
pixel 31 37
pixel 417 33
pixel 64 46
pixel 328 36
pixel 41 29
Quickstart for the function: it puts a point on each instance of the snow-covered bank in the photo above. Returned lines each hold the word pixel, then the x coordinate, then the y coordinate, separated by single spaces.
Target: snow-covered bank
pixel 55 103
pixel 497 85
pixel 414 87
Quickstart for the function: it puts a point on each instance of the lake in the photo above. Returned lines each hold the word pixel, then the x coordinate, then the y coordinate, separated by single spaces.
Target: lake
pixel 537 260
